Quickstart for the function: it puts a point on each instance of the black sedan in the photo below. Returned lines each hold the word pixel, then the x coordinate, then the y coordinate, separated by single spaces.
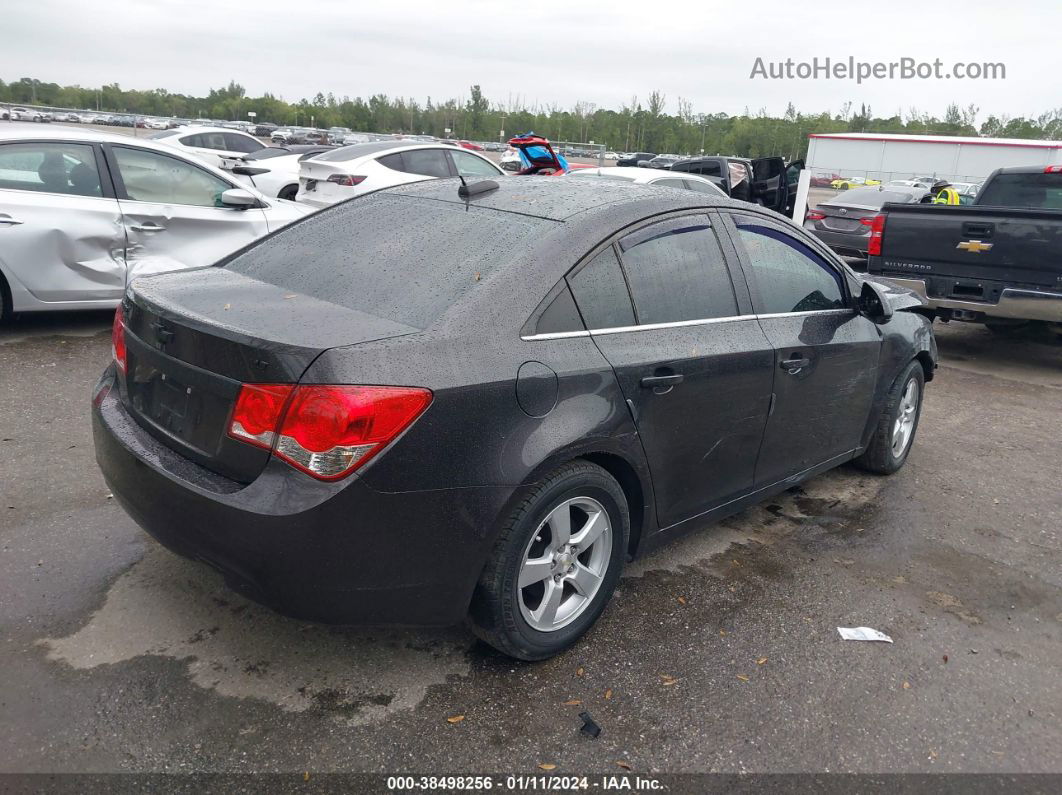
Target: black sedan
pixel 845 222
pixel 431 403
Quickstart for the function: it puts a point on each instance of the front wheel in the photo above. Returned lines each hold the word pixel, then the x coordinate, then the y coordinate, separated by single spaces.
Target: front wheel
pixel 554 565
pixel 892 438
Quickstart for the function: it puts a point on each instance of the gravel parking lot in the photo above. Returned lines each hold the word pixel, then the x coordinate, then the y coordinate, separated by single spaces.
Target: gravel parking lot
pixel 720 652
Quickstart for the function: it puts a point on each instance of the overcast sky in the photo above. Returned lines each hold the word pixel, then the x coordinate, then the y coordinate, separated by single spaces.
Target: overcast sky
pixel 588 50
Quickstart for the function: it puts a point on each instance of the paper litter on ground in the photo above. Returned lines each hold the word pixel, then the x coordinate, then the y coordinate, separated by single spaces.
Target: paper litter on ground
pixel 863 633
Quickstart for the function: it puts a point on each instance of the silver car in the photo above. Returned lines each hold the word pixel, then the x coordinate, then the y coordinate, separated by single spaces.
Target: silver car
pixel 83 212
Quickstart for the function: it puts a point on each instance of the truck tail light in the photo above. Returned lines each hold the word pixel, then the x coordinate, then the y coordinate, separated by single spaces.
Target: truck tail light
pixel 346 180
pixel 322 430
pixel 877 229
pixel 814 215
pixel 118 339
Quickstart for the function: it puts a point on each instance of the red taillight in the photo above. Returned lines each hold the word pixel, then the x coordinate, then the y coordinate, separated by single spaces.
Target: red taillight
pixel 325 431
pixel 867 221
pixel 118 339
pixel 346 180
pixel 814 215
pixel 1053 170
pixel 877 228
pixel 259 408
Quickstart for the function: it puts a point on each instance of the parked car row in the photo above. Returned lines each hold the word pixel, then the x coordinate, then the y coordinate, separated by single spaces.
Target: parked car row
pixel 82 212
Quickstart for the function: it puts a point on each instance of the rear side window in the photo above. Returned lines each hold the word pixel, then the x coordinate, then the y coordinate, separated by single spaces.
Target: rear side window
pixel 1036 191
pixel 426 162
pixel 676 271
pixel 786 275
pixel 49 168
pixel 241 143
pixel 601 292
pixel 402 259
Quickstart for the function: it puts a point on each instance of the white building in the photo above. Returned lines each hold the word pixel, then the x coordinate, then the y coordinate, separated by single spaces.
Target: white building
pixel 887 156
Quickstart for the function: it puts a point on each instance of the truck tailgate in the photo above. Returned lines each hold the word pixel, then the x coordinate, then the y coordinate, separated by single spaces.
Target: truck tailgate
pixel 1016 246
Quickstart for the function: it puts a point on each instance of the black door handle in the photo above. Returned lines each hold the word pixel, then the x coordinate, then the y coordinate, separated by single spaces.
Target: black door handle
pixel 794 365
pixel 658 381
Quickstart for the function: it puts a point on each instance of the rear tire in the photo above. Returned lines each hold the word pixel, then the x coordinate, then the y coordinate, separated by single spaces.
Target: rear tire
pixel 894 435
pixel 568 574
pixel 289 192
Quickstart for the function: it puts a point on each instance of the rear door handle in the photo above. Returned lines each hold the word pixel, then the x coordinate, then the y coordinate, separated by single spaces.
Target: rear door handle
pixel 657 381
pixel 794 365
pixel 148 227
pixel 7 219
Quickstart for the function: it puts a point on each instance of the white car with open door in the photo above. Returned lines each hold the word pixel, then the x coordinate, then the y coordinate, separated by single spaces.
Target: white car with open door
pixel 209 144
pixel 353 170
pixel 82 213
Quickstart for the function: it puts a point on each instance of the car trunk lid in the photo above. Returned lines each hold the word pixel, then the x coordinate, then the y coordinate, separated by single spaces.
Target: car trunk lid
pixel 194 337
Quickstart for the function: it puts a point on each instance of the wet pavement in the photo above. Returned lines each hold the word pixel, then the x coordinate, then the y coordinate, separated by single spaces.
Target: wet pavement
pixel 719 652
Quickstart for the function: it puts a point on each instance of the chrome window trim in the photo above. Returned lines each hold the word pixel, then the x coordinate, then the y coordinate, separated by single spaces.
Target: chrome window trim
pixel 560 335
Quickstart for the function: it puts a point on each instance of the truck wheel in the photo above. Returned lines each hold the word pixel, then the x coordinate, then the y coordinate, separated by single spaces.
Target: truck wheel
pixel 555 564
pixel 892 438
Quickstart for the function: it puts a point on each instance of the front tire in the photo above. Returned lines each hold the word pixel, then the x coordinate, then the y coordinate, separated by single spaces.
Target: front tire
pixel 894 435
pixel 555 564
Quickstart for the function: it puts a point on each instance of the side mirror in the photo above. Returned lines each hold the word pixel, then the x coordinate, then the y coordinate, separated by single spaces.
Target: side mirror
pixel 239 199
pixel 874 303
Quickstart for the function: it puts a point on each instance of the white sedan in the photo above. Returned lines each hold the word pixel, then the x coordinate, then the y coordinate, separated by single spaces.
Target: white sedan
pixel 275 169
pixel 209 144
pixel 660 179
pixel 353 170
pixel 83 212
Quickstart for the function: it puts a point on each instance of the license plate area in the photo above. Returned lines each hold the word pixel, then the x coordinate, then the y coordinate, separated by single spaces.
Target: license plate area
pixel 311 185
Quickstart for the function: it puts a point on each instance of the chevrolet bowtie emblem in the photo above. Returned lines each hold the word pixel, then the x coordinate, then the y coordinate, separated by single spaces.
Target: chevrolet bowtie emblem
pixel 974 246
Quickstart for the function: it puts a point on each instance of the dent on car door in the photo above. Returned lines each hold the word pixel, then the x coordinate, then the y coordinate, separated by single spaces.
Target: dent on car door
pixel 173 213
pixel 693 364
pixel 826 354
pixel 61 235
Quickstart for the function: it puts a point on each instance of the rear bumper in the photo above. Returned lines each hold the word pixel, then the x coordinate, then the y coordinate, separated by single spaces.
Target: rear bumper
pixel 1013 302
pixel 843 243
pixel 339 553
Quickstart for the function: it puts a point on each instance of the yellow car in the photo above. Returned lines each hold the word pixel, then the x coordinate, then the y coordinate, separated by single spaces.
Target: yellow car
pixel 847 183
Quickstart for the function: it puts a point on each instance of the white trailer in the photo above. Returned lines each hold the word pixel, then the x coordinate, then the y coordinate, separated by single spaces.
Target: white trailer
pixel 957 159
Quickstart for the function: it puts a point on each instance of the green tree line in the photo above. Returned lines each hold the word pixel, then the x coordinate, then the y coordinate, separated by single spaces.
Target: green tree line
pixel 641 124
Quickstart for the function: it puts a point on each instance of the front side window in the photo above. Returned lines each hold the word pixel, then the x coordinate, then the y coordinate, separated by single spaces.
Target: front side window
pixel 787 275
pixel 469 165
pixel 676 271
pixel 50 168
pixel 155 177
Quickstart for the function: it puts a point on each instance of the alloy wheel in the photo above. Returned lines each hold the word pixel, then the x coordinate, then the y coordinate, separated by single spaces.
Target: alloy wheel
pixel 564 564
pixel 903 425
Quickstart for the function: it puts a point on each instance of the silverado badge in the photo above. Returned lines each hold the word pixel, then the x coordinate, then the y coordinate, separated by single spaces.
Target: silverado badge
pixel 974 246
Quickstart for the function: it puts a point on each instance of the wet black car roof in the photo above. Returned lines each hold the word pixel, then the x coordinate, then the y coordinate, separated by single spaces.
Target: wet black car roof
pixel 558 198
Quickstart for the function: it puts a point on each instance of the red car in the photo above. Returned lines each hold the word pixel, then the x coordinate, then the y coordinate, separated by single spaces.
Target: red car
pixel 470 145
pixel 537 151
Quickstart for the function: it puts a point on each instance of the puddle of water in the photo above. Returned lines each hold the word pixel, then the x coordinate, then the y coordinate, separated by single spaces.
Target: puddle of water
pixel 825 499
pixel 169 607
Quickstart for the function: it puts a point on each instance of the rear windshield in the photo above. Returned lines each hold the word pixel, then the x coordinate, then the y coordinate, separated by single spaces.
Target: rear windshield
pixel 398 258
pixel 1036 191
pixel 872 197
